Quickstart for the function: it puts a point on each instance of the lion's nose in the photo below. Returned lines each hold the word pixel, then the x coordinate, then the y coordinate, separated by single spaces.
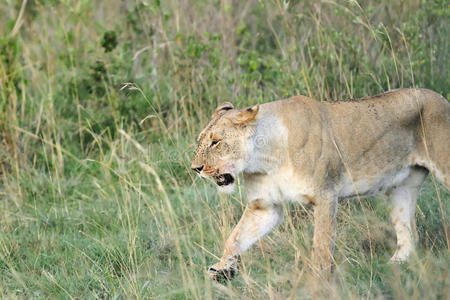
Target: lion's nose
pixel 197 169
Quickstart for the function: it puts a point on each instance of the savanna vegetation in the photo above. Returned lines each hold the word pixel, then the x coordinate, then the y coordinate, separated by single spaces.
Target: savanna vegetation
pixel 100 105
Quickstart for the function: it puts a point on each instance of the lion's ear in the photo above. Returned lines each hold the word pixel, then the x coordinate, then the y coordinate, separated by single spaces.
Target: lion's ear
pixel 245 116
pixel 223 107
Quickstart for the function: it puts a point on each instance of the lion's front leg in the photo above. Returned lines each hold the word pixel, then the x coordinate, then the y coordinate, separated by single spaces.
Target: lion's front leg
pixel 258 219
pixel 324 234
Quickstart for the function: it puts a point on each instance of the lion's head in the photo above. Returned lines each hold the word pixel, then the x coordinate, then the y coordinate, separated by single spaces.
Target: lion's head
pixel 222 150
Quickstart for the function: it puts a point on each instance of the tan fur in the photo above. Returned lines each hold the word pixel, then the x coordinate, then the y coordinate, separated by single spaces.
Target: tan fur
pixel 315 152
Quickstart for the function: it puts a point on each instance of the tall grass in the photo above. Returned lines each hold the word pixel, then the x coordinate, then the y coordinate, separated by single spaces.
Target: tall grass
pixel 100 104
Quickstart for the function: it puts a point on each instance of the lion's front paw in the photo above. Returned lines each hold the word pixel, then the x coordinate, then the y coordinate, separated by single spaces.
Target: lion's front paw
pixel 225 269
pixel 221 274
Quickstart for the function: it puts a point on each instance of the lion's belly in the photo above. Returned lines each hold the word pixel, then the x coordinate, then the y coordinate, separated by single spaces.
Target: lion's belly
pixel 362 185
pixel 288 186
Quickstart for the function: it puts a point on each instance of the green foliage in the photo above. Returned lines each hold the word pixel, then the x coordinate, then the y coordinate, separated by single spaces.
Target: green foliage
pixel 109 41
pixel 100 104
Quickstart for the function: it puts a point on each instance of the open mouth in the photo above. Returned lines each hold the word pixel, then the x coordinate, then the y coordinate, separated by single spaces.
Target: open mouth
pixel 224 179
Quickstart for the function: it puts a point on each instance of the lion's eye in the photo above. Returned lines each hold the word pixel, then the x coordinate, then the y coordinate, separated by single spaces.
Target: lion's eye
pixel 213 143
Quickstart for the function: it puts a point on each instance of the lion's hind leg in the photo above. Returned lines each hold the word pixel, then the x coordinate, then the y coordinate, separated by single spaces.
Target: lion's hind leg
pixel 434 147
pixel 404 198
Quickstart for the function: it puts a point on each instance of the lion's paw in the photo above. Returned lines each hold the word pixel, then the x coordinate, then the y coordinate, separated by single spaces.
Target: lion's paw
pixel 225 269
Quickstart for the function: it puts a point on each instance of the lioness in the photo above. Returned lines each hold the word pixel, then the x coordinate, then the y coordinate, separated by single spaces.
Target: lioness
pixel 314 152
